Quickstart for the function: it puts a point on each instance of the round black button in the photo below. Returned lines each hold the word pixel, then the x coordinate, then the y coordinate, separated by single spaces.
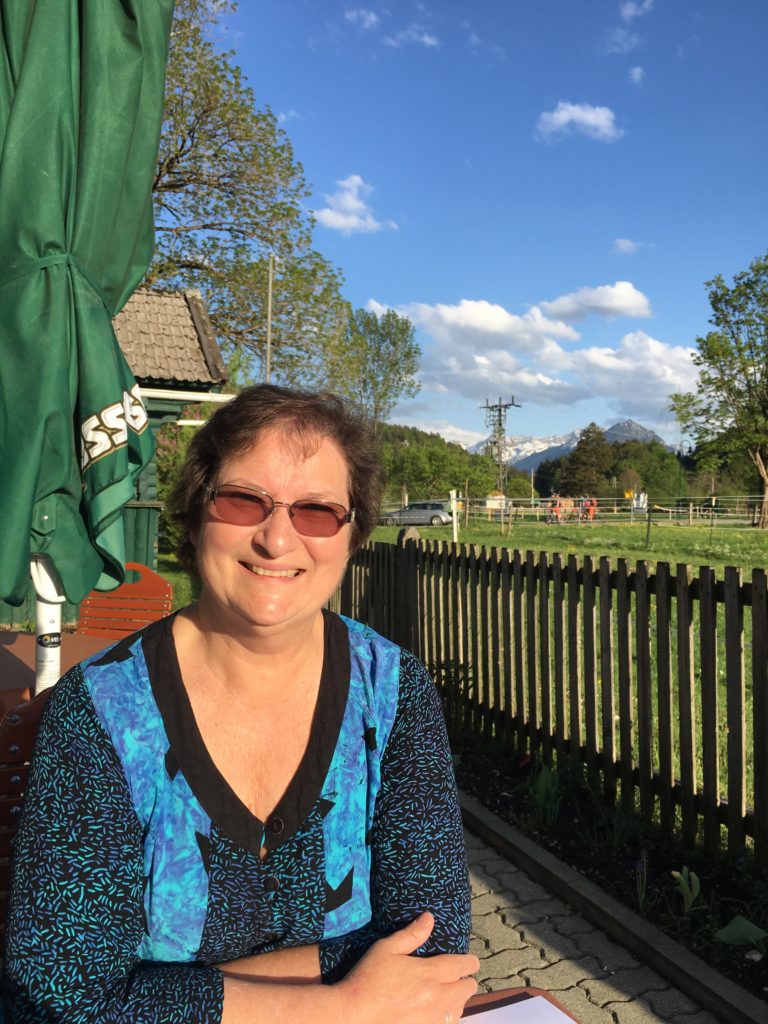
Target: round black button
pixel 271 884
pixel 276 826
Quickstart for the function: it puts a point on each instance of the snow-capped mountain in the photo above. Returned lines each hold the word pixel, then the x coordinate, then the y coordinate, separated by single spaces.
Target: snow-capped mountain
pixel 520 446
pixel 526 453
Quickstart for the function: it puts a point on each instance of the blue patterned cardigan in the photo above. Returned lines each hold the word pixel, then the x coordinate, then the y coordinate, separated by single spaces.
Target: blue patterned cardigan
pixel 137 867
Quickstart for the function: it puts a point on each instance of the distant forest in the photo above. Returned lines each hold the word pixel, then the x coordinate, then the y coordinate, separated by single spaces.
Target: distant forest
pixel 426 466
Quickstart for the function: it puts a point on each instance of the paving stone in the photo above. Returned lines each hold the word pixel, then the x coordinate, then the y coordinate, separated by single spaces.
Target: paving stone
pixel 480 881
pixel 596 943
pixel 496 933
pixel 635 1011
pixel 550 942
pixel 496 865
pixel 489 903
pixel 524 889
pixel 569 923
pixel 494 984
pixel 538 910
pixel 669 1001
pixel 623 985
pixel 509 965
pixel 563 974
pixel 479 947
pixel 702 1017
pixel 576 1002
pixel 472 842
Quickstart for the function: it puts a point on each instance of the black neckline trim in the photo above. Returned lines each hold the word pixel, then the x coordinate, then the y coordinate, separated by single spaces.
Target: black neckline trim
pixel 217 798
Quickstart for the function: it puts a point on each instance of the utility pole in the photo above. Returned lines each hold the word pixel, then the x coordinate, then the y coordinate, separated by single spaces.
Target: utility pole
pixel 268 360
pixel 496 421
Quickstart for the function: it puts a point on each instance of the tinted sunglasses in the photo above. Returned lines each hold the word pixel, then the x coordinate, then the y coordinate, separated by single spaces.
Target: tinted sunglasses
pixel 248 506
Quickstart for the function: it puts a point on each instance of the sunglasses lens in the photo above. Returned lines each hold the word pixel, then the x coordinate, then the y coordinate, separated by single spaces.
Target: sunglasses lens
pixel 241 508
pixel 317 519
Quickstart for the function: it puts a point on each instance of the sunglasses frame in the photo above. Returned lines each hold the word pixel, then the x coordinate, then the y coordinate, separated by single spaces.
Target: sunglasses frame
pixel 346 516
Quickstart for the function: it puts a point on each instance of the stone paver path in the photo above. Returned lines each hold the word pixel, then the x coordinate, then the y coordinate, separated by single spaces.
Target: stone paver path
pixel 525 936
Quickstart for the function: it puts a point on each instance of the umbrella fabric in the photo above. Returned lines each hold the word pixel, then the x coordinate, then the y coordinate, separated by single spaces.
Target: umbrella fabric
pixel 81 95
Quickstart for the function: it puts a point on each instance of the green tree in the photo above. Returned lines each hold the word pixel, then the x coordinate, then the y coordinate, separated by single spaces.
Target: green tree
pixel 375 362
pixel 586 468
pixel 647 466
pixel 731 398
pixel 227 192
pixel 428 466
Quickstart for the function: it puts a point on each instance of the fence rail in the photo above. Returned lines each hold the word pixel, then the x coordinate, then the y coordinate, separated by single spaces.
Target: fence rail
pixel 654 677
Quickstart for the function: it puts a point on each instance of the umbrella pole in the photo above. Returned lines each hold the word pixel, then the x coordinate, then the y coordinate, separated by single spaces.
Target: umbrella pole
pixel 50 598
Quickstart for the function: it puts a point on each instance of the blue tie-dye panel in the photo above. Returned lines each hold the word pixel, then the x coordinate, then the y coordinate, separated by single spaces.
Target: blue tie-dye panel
pixel 354 778
pixel 176 889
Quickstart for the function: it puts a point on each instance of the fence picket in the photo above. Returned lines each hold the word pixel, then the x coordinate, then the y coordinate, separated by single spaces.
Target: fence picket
pixel 544 664
pixel 531 648
pixel 495 653
pixel 589 678
pixel 735 708
pixel 519 644
pixel 506 640
pixel 687 706
pixel 760 714
pixel 575 701
pixel 664 695
pixel 709 735
pixel 558 638
pixel 474 631
pixel 644 699
pixel 485 660
pixel 624 663
pixel 608 708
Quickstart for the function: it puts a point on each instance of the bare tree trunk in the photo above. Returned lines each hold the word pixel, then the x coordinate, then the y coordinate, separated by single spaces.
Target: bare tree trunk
pixel 762 469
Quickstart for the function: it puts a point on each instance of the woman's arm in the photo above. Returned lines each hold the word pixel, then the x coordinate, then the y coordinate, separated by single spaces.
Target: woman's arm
pixel 76 902
pixel 418 856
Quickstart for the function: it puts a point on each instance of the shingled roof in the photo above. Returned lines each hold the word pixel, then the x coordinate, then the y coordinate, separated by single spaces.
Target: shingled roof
pixel 167 339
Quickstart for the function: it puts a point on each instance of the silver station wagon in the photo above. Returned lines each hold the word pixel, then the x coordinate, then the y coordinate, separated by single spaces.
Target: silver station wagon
pixel 419 513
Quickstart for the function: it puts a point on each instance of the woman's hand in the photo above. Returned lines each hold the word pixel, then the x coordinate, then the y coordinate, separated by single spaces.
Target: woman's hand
pixel 389 984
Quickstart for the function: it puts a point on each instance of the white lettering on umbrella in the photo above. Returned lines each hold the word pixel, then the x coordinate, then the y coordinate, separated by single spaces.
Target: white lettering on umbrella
pixel 107 430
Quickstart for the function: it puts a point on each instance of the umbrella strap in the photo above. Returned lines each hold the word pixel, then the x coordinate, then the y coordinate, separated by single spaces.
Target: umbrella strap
pixel 58 259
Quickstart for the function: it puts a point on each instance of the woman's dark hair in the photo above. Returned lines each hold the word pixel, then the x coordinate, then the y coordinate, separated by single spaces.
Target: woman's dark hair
pixel 235 427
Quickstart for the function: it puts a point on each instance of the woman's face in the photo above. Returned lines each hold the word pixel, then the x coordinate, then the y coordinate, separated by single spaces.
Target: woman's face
pixel 269 576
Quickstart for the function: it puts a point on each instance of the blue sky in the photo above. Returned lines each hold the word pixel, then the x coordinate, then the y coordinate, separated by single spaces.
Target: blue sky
pixel 543 186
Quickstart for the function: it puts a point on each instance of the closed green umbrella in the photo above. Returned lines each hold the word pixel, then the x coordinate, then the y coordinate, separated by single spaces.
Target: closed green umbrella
pixel 81 94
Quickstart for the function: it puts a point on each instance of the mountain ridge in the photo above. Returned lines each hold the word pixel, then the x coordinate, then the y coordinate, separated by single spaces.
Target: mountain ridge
pixel 525 452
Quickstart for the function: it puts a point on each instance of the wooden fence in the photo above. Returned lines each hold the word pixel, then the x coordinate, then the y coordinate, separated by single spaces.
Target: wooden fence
pixel 655 678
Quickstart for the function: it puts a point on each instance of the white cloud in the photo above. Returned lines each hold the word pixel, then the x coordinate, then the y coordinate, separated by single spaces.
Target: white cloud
pixel 482 325
pixel 474 349
pixel 362 18
pixel 639 375
pixel 625 246
pixel 595 122
pixel 414 33
pixel 608 300
pixel 636 74
pixel 631 9
pixel 347 210
pixel 620 40
pixel 286 115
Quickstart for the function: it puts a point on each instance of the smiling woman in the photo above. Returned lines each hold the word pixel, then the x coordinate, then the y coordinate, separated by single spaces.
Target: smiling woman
pixel 245 799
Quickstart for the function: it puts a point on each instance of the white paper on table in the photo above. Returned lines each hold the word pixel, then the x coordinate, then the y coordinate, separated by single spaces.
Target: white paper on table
pixel 535 1010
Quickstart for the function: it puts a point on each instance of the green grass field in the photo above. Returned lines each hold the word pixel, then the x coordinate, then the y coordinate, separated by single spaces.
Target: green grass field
pixel 716 546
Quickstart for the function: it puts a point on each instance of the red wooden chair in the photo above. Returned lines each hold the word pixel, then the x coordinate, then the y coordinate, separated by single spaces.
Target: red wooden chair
pixel 114 614
pixel 18 732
